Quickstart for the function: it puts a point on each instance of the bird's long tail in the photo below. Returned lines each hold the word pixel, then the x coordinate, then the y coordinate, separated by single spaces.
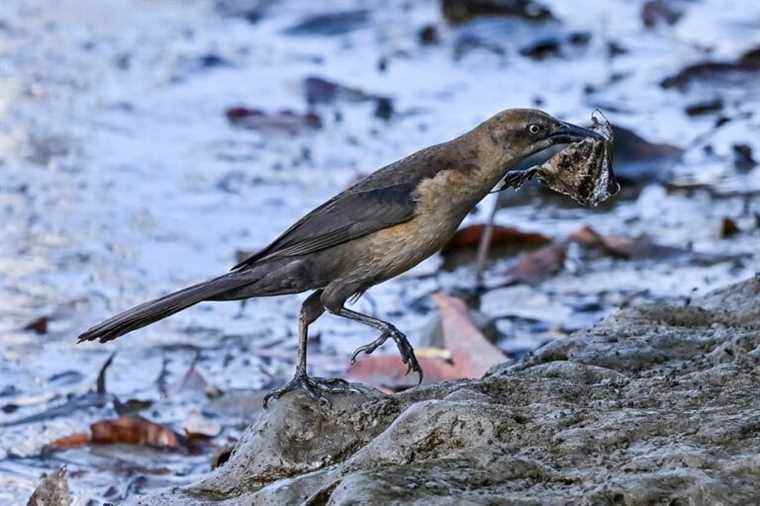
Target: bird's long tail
pixel 149 312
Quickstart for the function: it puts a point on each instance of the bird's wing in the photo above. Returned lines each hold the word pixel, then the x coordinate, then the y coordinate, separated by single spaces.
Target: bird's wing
pixel 350 215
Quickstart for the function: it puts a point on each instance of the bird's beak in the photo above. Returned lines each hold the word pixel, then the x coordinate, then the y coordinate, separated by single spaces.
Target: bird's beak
pixel 568 133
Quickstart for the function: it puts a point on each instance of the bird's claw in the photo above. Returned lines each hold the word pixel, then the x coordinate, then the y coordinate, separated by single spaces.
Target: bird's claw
pixel 407 355
pixel 313 388
pixel 405 349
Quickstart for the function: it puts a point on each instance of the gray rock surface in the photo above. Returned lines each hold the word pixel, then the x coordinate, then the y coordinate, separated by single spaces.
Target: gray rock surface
pixel 658 404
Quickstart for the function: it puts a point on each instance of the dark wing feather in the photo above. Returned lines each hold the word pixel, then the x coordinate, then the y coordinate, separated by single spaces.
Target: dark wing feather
pixel 350 215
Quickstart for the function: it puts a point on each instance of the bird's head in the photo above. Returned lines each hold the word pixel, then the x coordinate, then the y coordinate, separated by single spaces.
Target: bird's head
pixel 515 134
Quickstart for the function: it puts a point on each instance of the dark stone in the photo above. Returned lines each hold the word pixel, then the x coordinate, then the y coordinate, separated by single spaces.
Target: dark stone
pixel 655 12
pixel 336 23
pixel 542 49
pixel 743 159
pixel 384 108
pixel 461 11
pixel 428 35
pixel 705 107
pixel 744 68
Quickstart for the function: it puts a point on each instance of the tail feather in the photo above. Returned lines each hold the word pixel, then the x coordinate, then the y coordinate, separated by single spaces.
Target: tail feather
pixel 149 312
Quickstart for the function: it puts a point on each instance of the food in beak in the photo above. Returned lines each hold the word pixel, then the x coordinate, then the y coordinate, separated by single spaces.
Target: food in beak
pixel 582 171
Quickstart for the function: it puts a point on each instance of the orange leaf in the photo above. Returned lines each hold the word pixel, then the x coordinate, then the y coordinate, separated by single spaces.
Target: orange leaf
pixel 75 440
pixel 469 238
pixel 133 430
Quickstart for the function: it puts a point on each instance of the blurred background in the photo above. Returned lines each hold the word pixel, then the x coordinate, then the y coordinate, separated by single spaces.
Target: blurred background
pixel 146 145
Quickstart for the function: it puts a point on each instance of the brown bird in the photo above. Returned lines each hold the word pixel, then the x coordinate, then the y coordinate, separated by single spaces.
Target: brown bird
pixel 378 228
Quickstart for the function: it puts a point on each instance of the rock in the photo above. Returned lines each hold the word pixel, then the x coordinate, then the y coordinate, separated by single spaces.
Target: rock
pixel 638 160
pixel 655 12
pixel 704 107
pixel 656 405
pixel 743 159
pixel 542 49
pixel 461 11
pixel 743 69
pixel 250 10
pixel 318 90
pixel 428 35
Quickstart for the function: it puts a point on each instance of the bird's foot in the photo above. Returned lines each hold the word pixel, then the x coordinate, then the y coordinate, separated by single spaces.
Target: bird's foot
pixel 405 349
pixel 313 386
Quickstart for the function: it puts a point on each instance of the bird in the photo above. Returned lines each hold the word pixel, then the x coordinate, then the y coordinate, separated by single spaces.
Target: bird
pixel 378 228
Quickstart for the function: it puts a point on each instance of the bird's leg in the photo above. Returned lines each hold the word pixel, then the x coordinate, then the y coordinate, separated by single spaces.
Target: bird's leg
pixel 386 331
pixel 311 309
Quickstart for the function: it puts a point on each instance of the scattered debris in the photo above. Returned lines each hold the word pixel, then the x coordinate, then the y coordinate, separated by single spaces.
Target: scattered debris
pixel 38 325
pixel 705 107
pixel 728 228
pixel 336 23
pixel 745 67
pixel 743 159
pixel 52 491
pixel 428 35
pixel 384 108
pixel 655 12
pixel 537 265
pixel 462 11
pixel 542 49
pixel 284 120
pixel 319 90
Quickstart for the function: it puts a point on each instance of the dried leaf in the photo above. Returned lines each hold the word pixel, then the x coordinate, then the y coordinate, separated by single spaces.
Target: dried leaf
pixel 471 353
pixel 583 170
pixel 133 430
pixel 284 120
pixel 469 238
pixel 538 265
pixel 38 325
pixel 728 228
pixel 76 440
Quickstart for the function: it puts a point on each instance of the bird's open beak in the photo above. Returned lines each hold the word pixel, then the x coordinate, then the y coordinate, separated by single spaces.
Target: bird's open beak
pixel 568 133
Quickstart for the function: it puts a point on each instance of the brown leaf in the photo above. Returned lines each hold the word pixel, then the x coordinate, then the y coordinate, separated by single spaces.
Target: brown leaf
pixel 75 440
pixel 538 265
pixel 624 247
pixel 728 228
pixel 471 353
pixel 469 238
pixel 612 245
pixel 133 430
pixel 38 325
pixel 284 120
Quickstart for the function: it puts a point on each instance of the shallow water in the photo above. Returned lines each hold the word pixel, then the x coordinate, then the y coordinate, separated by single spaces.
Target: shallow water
pixel 122 179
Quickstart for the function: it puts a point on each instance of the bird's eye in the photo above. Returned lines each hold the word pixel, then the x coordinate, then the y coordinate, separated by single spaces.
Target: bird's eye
pixel 534 128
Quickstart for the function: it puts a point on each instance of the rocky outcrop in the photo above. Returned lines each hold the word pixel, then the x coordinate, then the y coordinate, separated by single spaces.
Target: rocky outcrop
pixel 658 404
